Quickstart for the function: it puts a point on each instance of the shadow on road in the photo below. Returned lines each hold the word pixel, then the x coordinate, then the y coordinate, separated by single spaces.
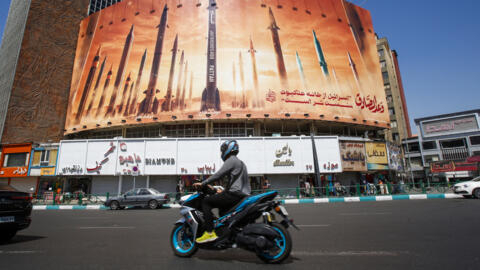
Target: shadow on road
pixel 22 238
pixel 235 255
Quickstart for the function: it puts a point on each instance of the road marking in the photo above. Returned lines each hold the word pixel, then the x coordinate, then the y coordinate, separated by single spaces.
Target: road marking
pixel 313 225
pixel 365 214
pixel 19 252
pixel 347 253
pixel 111 227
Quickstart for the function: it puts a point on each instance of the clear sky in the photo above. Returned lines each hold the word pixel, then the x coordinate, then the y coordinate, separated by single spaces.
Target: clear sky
pixel 436 41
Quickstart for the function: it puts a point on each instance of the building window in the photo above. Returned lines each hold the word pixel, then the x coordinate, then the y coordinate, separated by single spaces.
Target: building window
pixel 110 134
pixel 391 111
pixel 45 158
pixel 15 160
pixel 430 159
pixel 381 53
pixel 383 64
pixel 475 140
pixel 389 99
pixel 393 124
pixel 232 130
pixel 146 132
pixel 413 147
pixel 185 131
pixel 385 76
pixel 387 86
pixel 453 143
pixel 429 145
pixel 396 137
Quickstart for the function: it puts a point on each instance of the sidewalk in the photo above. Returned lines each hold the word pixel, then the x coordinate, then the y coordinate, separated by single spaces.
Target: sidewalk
pixel 286 201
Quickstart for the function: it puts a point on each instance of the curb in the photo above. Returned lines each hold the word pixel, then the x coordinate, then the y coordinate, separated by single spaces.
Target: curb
pixel 287 201
pixel 374 198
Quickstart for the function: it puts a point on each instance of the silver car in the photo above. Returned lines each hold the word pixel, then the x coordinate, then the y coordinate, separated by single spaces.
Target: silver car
pixel 148 197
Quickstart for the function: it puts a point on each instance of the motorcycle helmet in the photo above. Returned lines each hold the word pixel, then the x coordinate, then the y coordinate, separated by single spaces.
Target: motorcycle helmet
pixel 229 148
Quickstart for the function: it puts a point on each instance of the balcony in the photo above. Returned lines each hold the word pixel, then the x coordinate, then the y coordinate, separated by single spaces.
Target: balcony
pixel 455 153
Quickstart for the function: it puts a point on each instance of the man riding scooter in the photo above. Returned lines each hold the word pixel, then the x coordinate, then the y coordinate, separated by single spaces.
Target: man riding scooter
pixel 236 189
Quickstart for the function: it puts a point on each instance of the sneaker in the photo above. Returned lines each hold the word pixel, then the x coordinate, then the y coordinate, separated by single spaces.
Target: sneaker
pixel 207 237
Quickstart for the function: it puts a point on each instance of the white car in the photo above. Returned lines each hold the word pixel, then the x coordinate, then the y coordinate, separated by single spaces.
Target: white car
pixel 468 188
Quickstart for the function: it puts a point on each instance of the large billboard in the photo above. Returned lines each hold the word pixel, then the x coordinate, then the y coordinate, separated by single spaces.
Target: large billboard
pixel 147 61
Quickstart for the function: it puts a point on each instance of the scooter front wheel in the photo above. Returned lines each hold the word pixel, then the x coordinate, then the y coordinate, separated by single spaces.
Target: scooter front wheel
pixel 182 241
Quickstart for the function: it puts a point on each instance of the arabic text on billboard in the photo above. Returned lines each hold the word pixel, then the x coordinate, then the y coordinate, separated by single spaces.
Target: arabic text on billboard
pixel 353 156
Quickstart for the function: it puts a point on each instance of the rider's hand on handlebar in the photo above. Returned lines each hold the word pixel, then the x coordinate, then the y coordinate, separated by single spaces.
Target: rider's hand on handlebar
pixel 197 186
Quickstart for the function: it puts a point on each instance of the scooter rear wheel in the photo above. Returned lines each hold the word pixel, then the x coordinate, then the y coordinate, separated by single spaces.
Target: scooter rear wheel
pixel 182 242
pixel 282 249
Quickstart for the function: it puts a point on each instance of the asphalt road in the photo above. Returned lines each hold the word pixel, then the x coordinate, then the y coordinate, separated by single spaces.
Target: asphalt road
pixel 429 234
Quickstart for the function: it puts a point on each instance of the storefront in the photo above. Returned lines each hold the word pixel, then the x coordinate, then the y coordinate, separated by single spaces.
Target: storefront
pixel 42 165
pixel 168 165
pixel 453 171
pixel 14 165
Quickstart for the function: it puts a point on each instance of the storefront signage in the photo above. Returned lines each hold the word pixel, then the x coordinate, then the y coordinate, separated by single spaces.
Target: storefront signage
pixel 450 125
pixel 126 160
pixel 15 167
pixel 47 171
pixel 106 158
pixel 330 166
pixel 395 157
pixel 284 152
pixel 376 153
pixel 465 166
pixel 160 161
pixel 353 156
pixel 74 169
pixel 442 166
pixel 206 169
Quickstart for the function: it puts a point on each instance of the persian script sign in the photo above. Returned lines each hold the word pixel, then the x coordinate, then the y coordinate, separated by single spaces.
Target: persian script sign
pixel 353 156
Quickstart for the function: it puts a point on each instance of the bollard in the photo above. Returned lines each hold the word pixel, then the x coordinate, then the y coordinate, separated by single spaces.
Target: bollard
pixel 79 198
pixel 54 197
pixel 424 190
pixel 298 192
pixel 327 191
pixel 108 195
pixel 358 190
pixel 389 188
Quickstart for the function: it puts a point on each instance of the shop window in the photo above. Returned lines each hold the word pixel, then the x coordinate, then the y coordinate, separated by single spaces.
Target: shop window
pixel 429 145
pixel 475 140
pixel 15 160
pixel 45 158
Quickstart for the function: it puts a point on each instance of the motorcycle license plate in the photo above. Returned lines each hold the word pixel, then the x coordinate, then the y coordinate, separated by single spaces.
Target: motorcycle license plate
pixel 7 219
pixel 283 210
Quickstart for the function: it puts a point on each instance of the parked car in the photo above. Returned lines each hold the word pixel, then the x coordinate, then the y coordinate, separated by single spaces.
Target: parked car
pixel 15 210
pixel 148 197
pixel 468 188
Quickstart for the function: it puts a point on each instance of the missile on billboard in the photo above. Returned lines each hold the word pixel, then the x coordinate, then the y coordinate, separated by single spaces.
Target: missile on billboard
pixel 234 103
pixel 179 81
pixel 336 79
pixel 182 99
pixel 243 104
pixel 124 94
pixel 127 106
pixel 300 70
pixel 354 71
pixel 150 103
pixel 121 72
pixel 256 100
pixel 100 73
pixel 321 57
pixel 190 91
pixel 167 104
pixel 211 95
pixel 133 105
pixel 282 72
pixel 104 92
pixel 88 85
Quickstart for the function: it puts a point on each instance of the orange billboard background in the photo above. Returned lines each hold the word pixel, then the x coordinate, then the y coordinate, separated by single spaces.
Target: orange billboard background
pixel 330 68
